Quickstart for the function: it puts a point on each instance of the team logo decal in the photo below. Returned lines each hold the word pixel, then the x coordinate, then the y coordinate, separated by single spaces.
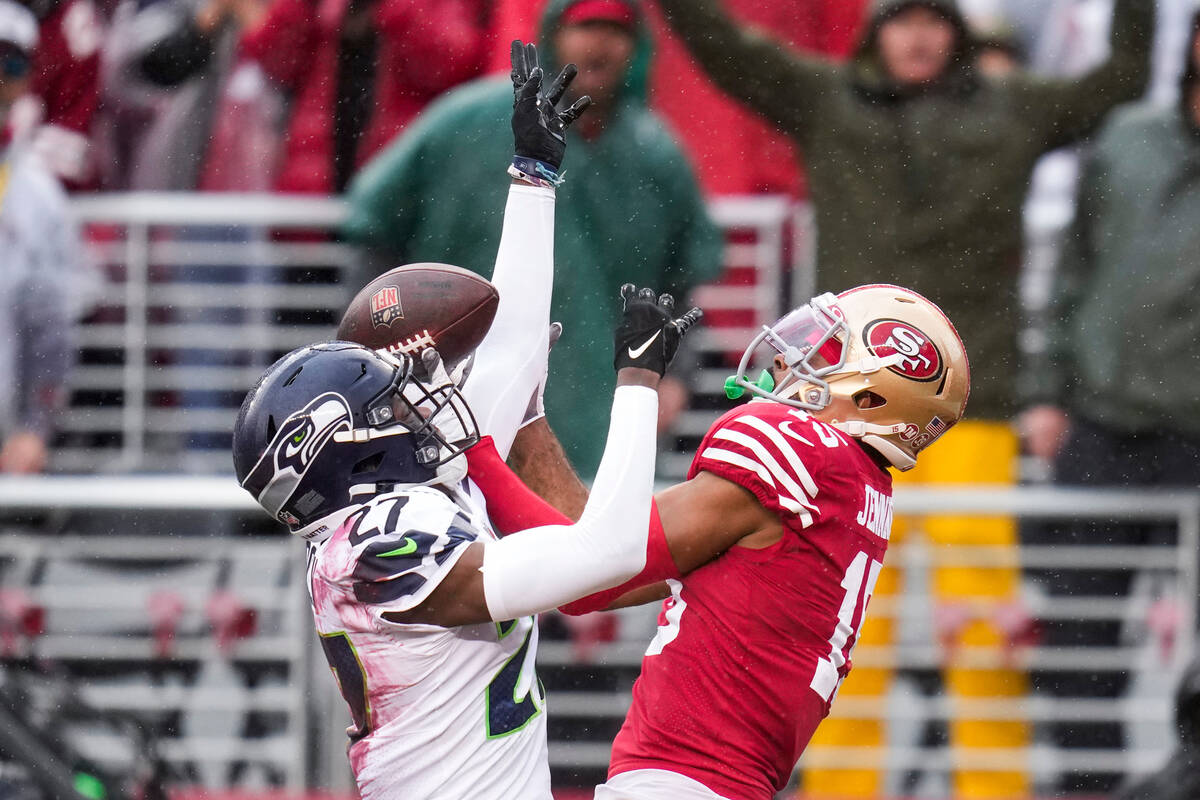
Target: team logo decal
pixel 385 307
pixel 300 438
pixel 920 358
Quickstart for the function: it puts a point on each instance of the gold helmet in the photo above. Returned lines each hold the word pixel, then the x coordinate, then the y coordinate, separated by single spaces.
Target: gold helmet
pixel 878 362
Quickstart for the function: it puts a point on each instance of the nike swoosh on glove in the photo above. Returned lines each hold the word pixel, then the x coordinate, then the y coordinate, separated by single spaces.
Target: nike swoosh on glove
pixel 648 337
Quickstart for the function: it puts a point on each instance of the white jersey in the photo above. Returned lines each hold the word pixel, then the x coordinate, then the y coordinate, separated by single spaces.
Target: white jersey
pixel 453 713
pixel 446 713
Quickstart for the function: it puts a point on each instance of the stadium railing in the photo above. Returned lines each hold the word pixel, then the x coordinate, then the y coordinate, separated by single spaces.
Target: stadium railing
pixel 98 594
pixel 204 291
pixel 203 642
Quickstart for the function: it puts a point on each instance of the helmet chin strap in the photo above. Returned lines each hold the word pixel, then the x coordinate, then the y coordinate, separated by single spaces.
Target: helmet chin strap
pixel 321 529
pixel 858 428
pixel 792 386
pixel 449 474
pixel 795 383
pixel 898 458
pixel 872 435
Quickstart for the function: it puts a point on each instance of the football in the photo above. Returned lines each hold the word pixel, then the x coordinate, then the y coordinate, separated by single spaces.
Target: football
pixel 415 306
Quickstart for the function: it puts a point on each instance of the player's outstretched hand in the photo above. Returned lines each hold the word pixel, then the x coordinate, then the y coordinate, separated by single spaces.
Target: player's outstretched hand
pixel 648 336
pixel 538 126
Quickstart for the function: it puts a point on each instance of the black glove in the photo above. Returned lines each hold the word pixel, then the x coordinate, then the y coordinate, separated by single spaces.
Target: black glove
pixel 538 127
pixel 647 336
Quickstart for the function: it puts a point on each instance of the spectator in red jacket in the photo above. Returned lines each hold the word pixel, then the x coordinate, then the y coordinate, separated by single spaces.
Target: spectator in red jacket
pixel 359 71
pixel 749 156
pixel 56 116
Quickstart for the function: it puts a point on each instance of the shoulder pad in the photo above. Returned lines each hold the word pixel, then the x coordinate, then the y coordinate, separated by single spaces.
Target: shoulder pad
pixel 401 543
pixel 772 453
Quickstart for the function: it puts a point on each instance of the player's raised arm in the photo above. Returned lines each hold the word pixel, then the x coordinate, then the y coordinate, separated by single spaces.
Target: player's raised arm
pixel 783 85
pixel 545 567
pixel 512 358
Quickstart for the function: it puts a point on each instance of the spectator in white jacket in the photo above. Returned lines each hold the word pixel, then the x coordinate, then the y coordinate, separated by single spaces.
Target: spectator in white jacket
pixel 44 279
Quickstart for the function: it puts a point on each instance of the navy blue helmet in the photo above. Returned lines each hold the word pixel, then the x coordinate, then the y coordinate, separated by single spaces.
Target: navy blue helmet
pixel 330 425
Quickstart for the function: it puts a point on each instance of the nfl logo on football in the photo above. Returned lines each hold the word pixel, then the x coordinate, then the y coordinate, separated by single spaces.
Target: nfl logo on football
pixel 385 307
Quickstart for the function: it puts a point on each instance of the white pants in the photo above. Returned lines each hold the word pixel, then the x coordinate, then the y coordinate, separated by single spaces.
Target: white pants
pixel 654 784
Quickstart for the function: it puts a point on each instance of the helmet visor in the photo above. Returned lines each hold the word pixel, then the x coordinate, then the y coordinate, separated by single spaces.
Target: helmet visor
pixel 811 335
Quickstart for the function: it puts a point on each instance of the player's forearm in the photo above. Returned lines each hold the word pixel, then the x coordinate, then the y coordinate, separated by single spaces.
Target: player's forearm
pixel 510 360
pixel 540 569
pixel 652 593
pixel 738 59
pixel 1124 75
pixel 538 459
pixel 514 509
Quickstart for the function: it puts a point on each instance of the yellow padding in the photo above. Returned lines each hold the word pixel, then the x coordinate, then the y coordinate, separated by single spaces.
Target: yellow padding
pixel 970 453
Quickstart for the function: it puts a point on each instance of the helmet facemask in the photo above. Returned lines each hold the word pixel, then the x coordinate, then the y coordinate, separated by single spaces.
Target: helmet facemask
pixel 814 344
pixel 425 403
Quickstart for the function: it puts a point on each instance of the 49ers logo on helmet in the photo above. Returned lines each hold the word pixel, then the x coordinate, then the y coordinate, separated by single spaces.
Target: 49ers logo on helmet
pixel 919 357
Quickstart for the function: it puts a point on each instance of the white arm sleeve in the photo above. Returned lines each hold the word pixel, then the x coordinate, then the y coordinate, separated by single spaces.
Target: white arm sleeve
pixel 542 568
pixel 512 357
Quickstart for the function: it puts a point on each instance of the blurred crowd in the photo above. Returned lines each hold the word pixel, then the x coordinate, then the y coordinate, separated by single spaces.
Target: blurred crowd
pixel 914 127
pixel 917 151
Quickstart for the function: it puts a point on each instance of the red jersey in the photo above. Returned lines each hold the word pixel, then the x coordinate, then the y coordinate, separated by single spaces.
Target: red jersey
pixel 752 647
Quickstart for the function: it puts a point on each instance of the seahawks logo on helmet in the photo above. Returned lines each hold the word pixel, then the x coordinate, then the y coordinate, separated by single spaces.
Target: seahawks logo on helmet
pixel 292 451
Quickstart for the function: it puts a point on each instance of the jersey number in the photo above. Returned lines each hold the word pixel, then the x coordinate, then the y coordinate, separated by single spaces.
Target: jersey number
pixel 859 583
pixel 668 619
pixel 352 683
pixel 505 713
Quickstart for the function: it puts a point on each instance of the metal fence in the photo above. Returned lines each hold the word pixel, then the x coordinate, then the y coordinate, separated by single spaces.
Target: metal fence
pixel 100 593
pixel 203 643
pixel 204 291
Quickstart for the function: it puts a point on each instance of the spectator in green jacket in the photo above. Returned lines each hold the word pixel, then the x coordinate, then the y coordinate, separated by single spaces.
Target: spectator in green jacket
pixel 629 211
pixel 1116 400
pixel 917 164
